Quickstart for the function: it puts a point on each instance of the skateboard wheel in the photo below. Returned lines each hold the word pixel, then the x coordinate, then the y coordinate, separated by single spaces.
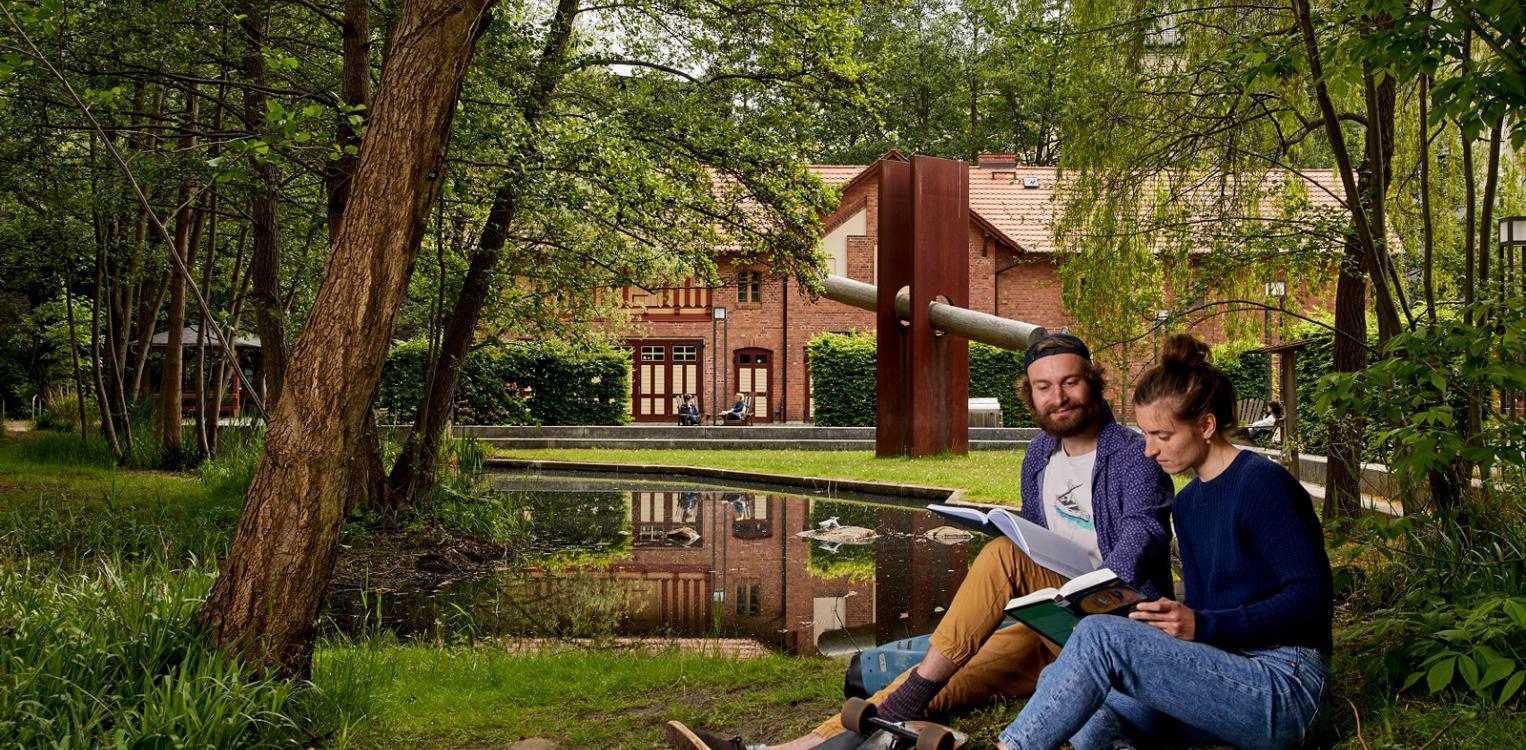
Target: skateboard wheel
pixel 856 714
pixel 935 738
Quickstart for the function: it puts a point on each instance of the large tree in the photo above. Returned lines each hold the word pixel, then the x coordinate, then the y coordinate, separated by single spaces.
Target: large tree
pixel 265 602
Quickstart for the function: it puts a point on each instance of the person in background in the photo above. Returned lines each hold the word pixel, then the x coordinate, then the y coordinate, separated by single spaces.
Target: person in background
pixel 688 412
pixel 738 410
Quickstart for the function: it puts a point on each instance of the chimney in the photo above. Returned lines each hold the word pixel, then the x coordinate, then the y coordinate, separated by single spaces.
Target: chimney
pixel 997 161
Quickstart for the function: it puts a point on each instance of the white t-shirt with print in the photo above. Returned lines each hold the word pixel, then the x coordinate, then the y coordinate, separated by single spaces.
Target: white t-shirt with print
pixel 1068 500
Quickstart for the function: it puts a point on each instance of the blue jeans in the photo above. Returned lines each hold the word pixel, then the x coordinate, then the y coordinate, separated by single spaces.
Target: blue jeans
pixel 1120 682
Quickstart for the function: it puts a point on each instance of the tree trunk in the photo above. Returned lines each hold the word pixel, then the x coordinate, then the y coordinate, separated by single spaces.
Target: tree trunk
pixel 1344 444
pixel 356 89
pixel 269 308
pixel 414 472
pixel 265 602
pixel 187 238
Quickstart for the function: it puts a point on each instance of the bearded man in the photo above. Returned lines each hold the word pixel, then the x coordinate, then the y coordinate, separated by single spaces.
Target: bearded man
pixel 1086 478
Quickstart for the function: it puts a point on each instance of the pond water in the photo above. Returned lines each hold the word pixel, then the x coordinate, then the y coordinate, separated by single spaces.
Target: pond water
pixel 643 558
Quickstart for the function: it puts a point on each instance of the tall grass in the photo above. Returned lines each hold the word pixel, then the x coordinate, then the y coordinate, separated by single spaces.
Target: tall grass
pixel 118 658
pixel 1437 604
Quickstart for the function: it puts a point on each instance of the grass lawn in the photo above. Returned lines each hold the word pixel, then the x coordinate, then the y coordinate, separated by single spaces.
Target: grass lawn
pixel 66 501
pixel 988 476
pixel 63 504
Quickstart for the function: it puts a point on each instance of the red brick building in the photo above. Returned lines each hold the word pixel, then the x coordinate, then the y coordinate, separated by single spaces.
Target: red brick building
pixel 751 335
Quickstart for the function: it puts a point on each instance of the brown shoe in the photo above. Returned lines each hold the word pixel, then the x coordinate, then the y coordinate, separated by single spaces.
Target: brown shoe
pixel 681 737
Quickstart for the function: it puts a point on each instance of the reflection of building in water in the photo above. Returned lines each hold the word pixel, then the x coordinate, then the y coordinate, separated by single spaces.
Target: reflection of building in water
pixel 752 578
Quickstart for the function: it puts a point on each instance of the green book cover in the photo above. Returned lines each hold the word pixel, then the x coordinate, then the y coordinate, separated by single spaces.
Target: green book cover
pixel 1054 613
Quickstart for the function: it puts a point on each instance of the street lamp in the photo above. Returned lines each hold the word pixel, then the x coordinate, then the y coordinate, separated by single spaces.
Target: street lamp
pixel 717 314
pixel 1512 243
pixel 1277 290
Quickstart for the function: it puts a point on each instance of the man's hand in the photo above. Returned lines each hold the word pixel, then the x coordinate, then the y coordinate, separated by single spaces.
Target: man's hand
pixel 1172 617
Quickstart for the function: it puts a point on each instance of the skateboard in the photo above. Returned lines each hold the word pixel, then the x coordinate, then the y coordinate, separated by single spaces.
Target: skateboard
pixel 867 731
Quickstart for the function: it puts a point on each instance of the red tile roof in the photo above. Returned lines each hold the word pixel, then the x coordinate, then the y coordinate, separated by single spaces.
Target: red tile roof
pixel 1003 203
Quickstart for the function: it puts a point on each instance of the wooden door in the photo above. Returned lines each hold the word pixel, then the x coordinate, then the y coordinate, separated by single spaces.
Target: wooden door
pixel 755 377
pixel 663 372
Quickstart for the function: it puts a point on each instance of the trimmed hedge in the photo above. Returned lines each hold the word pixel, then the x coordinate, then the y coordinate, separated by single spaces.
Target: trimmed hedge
pixel 569 384
pixel 843 380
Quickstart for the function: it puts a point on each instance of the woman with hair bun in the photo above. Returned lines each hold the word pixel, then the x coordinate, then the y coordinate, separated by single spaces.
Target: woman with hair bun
pixel 1244 659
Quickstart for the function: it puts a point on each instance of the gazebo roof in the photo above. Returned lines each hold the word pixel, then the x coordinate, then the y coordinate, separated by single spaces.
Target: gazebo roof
pixel 189 334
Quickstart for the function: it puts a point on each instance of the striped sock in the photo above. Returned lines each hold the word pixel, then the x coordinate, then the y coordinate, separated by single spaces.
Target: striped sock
pixel 909 701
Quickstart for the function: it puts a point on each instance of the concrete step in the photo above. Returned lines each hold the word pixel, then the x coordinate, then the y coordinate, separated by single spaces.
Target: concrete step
pixel 730 432
pixel 700 443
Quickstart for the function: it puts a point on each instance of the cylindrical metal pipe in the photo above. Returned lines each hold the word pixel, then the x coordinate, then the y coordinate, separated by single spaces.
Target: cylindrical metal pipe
pixel 975 326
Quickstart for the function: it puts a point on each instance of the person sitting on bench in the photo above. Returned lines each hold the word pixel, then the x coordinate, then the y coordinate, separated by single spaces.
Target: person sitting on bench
pixel 738 410
pixel 688 412
pixel 1266 427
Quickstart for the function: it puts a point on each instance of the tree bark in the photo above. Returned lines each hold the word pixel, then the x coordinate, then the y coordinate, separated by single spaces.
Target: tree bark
pixel 187 236
pixel 265 602
pixel 1344 443
pixel 414 472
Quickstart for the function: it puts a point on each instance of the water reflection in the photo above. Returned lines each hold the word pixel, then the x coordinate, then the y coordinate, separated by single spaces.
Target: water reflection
pixel 696 562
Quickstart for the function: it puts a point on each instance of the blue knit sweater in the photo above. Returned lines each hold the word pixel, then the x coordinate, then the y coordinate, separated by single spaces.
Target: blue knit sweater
pixel 1253 558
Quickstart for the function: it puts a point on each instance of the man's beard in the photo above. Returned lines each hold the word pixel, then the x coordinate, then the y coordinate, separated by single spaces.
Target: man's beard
pixel 1083 416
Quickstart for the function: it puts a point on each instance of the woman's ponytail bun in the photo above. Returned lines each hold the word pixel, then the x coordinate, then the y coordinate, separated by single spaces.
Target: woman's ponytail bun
pixel 1183 350
pixel 1192 385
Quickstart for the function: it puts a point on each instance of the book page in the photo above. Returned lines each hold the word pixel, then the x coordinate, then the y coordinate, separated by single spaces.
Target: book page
pixel 1096 577
pixel 1045 547
pixel 973 515
pixel 1042 596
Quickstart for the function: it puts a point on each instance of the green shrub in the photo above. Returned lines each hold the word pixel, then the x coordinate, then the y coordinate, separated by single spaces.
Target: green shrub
pixel 567 384
pixel 232 469
pixel 1246 370
pixel 119 658
pixel 843 380
pixel 994 372
pixel 60 412
pixel 1436 606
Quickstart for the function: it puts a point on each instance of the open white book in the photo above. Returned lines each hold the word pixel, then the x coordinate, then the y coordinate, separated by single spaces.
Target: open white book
pixel 1041 545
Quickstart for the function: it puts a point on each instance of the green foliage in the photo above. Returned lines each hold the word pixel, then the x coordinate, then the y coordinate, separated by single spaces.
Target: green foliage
pixel 119 658
pixel 1246 371
pixel 1438 606
pixel 1417 391
pixel 843 380
pixel 67 504
pixel 995 372
pixel 238 455
pixel 60 411
pixel 542 382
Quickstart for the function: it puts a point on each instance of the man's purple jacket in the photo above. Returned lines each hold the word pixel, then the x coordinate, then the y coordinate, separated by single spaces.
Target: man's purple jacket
pixel 1131 504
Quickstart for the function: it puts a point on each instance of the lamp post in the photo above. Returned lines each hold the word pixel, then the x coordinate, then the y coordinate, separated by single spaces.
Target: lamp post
pixel 1161 316
pixel 1277 290
pixel 1512 253
pixel 1512 268
pixel 717 314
